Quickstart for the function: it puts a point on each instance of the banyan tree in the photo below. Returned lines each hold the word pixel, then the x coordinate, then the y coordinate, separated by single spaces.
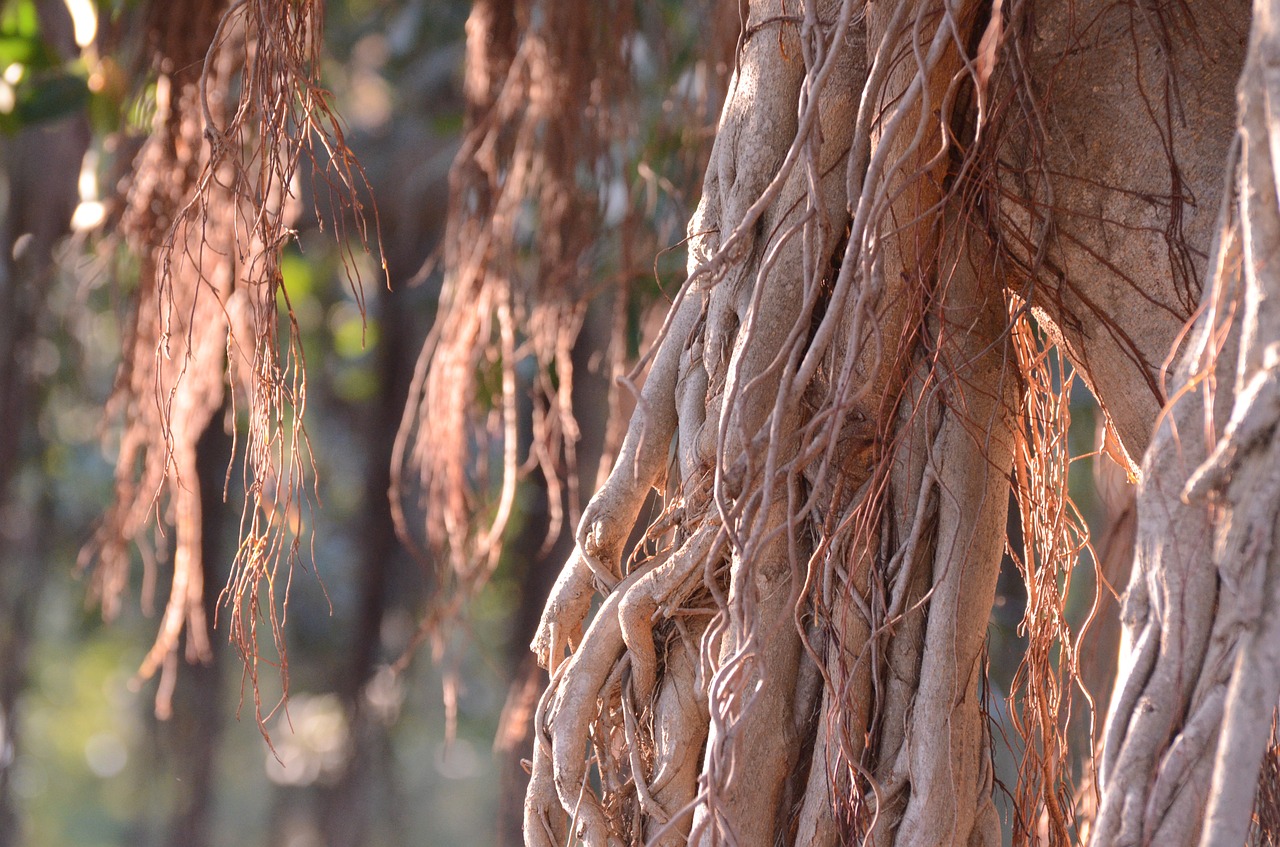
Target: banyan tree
pixel 916 218
pixel 918 223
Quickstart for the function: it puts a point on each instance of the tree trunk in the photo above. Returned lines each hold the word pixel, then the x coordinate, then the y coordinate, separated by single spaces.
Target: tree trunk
pixel 41 165
pixel 835 409
pixel 1192 712
pixel 191 739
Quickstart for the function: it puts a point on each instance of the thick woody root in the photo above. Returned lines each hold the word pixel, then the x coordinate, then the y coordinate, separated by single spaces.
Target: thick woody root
pixel 753 742
pixel 1244 467
pixel 718 361
pixel 1106 204
pixel 741 365
pixel 608 519
pixel 1152 754
pixel 1097 253
pixel 1192 717
pixel 934 777
pixel 575 703
pixel 841 429
pixel 680 723
pixel 757 311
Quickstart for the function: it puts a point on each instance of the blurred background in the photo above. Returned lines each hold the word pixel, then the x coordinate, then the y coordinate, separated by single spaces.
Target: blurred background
pixel 84 760
pixel 362 755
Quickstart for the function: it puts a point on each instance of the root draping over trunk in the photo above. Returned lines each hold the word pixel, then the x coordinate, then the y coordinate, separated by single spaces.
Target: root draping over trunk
pixel 828 386
pixel 1192 713
pixel 846 388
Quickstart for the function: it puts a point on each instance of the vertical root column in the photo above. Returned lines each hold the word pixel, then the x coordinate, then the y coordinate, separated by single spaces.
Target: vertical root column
pixel 944 760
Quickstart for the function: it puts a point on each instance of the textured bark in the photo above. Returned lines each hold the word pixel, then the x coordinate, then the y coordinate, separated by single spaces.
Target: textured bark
pixel 539 570
pixel 1111 179
pixel 725 392
pixel 1191 715
pixel 832 413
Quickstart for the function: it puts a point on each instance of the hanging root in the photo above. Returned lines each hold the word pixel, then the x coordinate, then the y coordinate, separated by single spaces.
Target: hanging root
pixel 209 212
pixel 549 96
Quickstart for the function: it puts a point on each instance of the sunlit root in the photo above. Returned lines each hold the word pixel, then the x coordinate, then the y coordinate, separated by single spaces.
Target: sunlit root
pixel 753 743
pixel 578 694
pixel 1245 466
pixel 949 791
pixel 185 606
pixel 845 712
pixel 680 722
pixel 1218 612
pixel 543 817
pixel 662 584
pixel 575 706
pixel 1253 421
pixel 818 826
pixel 567 607
pixel 608 519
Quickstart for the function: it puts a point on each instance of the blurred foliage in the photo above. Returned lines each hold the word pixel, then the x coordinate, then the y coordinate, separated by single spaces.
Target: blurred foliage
pixel 35 84
pixel 93 766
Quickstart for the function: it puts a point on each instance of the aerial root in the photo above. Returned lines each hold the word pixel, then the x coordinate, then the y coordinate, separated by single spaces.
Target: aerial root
pixel 680 723
pixel 576 706
pixel 560 630
pixel 184 610
pixel 609 517
pixel 670 581
pixel 1244 467
pixel 543 819
pixel 577 695
pixel 648 805
pixel 818 826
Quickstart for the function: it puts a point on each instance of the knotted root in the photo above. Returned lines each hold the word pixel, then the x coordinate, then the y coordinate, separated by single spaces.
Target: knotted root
pixel 669 582
pixel 582 688
pixel 680 723
pixel 609 518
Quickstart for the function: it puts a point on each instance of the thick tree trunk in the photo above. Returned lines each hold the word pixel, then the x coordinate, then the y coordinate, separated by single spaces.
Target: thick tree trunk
pixel 785 534
pixel 348 805
pixel 1192 711
pixel 834 408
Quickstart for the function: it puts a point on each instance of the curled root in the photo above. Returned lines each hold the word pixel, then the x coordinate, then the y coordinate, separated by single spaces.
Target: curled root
pixel 609 517
pixel 581 699
pixel 670 581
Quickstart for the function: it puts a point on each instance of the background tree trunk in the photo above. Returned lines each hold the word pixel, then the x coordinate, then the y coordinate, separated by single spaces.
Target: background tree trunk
pixel 41 168
pixel 190 739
